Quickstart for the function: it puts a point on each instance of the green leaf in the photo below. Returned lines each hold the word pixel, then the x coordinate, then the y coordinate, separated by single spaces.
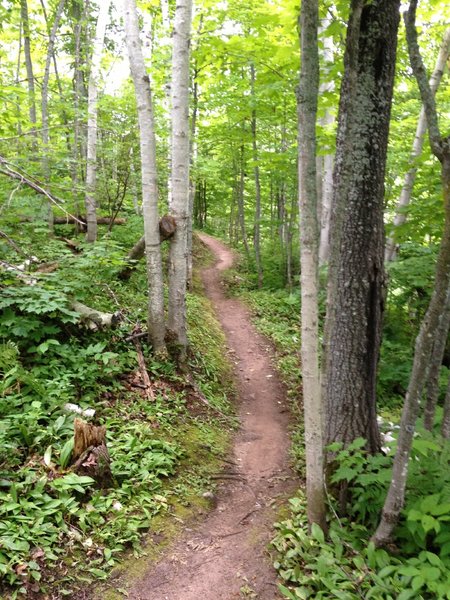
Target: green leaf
pixel 66 453
pixel 48 456
pixel 317 533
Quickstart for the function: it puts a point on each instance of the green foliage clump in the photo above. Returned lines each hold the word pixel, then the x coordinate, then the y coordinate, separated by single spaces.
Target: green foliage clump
pixel 52 519
pixel 344 563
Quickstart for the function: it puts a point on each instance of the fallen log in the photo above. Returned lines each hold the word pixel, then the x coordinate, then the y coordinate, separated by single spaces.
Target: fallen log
pixel 95 319
pixel 82 220
pixel 167 228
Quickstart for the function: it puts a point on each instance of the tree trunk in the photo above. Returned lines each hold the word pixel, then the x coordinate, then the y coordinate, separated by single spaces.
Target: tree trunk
pixel 167 227
pixel 309 238
pixel 178 255
pixel 29 68
pixel 326 162
pixel 445 428
pixel 240 201
pixel 257 225
pixel 441 149
pixel 408 184
pixel 91 159
pixel 78 96
pixel 44 104
pixel 156 323
pixel 356 276
pixel 434 368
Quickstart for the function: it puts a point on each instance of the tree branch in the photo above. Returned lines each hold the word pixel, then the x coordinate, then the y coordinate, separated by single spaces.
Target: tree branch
pixel 420 74
pixel 7 170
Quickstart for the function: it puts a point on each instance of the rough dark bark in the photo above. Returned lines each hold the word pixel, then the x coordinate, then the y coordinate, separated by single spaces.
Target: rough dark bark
pixel 356 275
pixel 424 342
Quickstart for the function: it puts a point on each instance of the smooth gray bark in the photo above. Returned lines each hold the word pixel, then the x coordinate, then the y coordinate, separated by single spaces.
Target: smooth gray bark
pixel 441 149
pixel 356 275
pixel 434 368
pixel 408 184
pixel 179 208
pixel 309 257
pixel 156 322
pixel 44 102
pixel 240 201
pixel 78 96
pixel 326 163
pixel 29 69
pixel 92 133
pixel 257 224
pixel 445 428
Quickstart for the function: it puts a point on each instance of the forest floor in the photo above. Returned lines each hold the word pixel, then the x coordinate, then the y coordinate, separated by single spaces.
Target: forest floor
pixel 225 556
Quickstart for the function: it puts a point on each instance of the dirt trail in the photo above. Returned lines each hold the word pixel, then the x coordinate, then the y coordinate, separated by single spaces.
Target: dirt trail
pixel 225 556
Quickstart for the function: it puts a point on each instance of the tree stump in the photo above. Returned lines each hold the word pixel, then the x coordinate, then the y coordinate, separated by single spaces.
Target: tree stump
pixel 91 454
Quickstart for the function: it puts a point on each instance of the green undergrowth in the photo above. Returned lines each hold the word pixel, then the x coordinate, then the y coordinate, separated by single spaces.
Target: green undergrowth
pixel 344 563
pixel 58 531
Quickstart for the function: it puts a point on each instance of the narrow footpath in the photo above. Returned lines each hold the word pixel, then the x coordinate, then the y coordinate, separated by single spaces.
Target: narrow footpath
pixel 225 556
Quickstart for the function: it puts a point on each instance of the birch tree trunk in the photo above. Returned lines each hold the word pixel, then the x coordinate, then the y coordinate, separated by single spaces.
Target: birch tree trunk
pixel 29 69
pixel 44 103
pixel 257 225
pixel 91 159
pixel 441 149
pixel 156 323
pixel 356 276
pixel 408 184
pixel 178 256
pixel 309 239
pixel 79 94
pixel 326 162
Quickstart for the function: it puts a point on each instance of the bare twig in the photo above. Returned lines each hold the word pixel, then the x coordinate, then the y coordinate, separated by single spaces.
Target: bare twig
pixel 141 361
pixel 13 244
pixel 34 185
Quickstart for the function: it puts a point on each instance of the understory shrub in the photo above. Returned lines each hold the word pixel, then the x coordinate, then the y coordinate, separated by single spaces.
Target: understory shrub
pixel 344 563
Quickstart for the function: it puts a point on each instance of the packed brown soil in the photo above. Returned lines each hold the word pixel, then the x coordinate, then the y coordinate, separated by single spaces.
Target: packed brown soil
pixel 226 556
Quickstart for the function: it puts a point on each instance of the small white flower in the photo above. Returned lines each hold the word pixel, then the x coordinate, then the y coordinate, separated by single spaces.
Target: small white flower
pixel 117 505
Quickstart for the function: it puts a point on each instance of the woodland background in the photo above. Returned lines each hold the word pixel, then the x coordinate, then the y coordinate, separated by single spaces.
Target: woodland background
pixel 70 216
